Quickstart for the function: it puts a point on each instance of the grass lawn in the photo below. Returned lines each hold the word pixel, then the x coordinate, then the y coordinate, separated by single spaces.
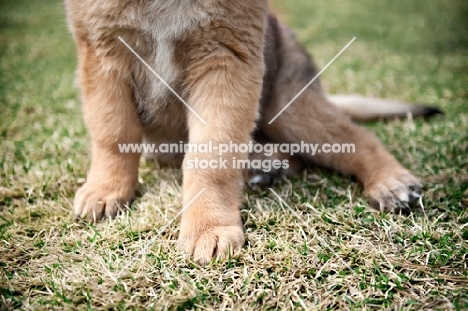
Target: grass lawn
pixel 330 252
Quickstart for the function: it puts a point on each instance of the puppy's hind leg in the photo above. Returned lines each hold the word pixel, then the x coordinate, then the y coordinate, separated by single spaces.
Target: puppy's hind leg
pixel 312 119
pixel 387 184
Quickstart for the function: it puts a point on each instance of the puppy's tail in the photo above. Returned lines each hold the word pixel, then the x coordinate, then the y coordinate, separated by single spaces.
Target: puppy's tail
pixel 361 108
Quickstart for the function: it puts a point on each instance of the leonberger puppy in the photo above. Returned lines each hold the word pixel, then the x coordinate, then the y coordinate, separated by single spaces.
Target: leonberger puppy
pixel 234 67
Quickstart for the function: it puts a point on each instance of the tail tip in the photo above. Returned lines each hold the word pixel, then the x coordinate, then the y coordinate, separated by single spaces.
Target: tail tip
pixel 426 111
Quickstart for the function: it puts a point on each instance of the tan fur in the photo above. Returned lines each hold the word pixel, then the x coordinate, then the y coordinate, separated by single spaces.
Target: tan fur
pixel 236 68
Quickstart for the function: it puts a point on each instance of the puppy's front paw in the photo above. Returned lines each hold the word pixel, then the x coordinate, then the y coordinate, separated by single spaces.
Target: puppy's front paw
pixel 94 202
pixel 207 242
pixel 393 190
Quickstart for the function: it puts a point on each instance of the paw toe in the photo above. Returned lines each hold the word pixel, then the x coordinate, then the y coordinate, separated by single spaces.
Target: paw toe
pixel 91 205
pixel 217 242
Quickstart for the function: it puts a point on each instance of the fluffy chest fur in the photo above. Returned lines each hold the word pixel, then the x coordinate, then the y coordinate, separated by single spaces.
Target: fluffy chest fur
pixel 174 37
pixel 151 28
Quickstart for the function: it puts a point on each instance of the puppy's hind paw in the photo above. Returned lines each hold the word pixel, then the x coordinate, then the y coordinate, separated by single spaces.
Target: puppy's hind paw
pixel 394 191
pixel 259 179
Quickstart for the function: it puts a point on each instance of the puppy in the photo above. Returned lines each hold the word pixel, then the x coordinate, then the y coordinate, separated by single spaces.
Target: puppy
pixel 236 67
